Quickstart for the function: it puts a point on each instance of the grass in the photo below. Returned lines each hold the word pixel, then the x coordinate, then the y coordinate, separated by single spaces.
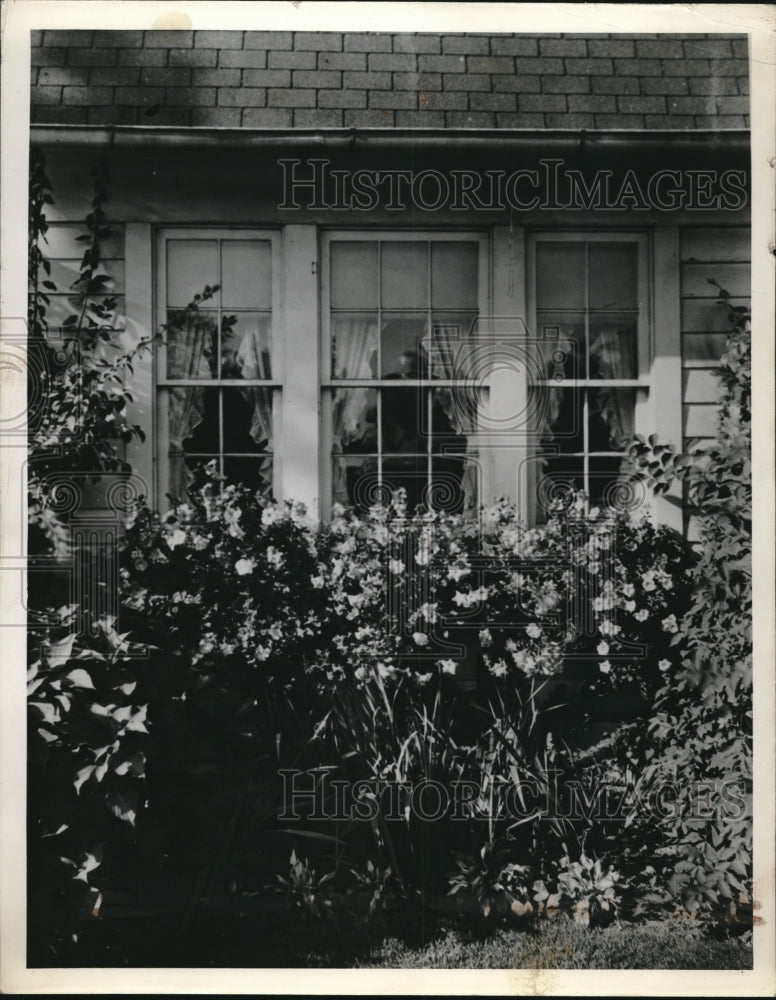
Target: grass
pixel 431 943
pixel 561 944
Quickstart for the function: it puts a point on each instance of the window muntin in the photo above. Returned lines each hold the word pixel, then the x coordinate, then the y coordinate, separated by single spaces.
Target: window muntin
pixel 589 298
pixel 217 390
pixel 395 310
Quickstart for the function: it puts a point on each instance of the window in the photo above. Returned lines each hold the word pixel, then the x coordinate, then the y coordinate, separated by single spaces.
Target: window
pixel 396 310
pixel 589 302
pixel 216 377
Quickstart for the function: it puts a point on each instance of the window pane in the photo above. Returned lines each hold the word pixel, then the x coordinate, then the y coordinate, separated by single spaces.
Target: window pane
pixel 191 345
pixel 353 275
pixel 404 420
pixel 611 414
pixel 453 412
pixel 561 411
pixel 560 275
pixel 562 343
pixel 560 478
pixel 245 345
pixel 191 264
pixel 187 473
pixel 354 421
pixel 246 274
pixel 403 355
pixel 404 275
pixel 193 419
pixel 255 473
pixel 354 345
pixel 613 270
pixel 614 345
pixel 454 278
pixel 454 486
pixel 450 339
pixel 409 473
pixel 614 483
pixel 356 482
pixel 247 419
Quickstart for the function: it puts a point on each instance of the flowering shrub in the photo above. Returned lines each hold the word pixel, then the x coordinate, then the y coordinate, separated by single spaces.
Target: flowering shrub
pixel 701 730
pixel 342 644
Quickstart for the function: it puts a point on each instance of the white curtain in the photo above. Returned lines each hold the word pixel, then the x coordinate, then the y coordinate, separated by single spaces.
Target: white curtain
pixel 354 417
pixel 615 352
pixel 189 350
pixel 452 359
pixel 190 355
pixel 254 363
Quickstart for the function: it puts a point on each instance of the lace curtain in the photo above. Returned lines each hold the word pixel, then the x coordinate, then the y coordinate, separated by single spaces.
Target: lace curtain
pixel 190 355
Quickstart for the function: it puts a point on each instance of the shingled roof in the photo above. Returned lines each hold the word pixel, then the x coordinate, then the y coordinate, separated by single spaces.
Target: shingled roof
pixel 284 79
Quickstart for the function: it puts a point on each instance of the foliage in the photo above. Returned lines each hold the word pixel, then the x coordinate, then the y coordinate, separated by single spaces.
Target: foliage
pixel 584 887
pixel 305 889
pixel 282 626
pixel 78 374
pixel 497 884
pixel 701 729
pixel 87 739
pixel 86 755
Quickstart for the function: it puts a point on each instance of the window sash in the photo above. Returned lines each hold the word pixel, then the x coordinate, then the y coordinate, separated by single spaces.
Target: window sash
pixel 329 385
pixel 162 384
pixel 586 384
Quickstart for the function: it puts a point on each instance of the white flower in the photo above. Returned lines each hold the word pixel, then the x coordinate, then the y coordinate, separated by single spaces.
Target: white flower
pixel 317 582
pixel 448 666
pixel 630 605
pixel 641 615
pixel 274 558
pixel 423 555
pixel 269 515
pixel 602 648
pixel 498 669
pixel 664 665
pixel 423 678
pixel 244 566
pixel 176 538
pixel 648 580
pixel 385 672
pixel 420 639
pixel 456 571
pixel 604 666
pixel 628 590
pixel 396 566
pixel 262 653
pixel 485 637
pixel 200 542
pixel 534 632
pixel 669 624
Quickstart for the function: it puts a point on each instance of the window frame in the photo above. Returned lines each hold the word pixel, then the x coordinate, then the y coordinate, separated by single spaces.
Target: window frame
pixel 643 384
pixel 161 382
pixel 327 384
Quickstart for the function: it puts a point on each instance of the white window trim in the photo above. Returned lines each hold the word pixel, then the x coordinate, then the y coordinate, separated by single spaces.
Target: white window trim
pixel 300 342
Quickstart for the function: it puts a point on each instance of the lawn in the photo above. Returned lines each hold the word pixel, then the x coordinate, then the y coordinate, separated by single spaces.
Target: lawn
pixel 397 940
pixel 562 944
